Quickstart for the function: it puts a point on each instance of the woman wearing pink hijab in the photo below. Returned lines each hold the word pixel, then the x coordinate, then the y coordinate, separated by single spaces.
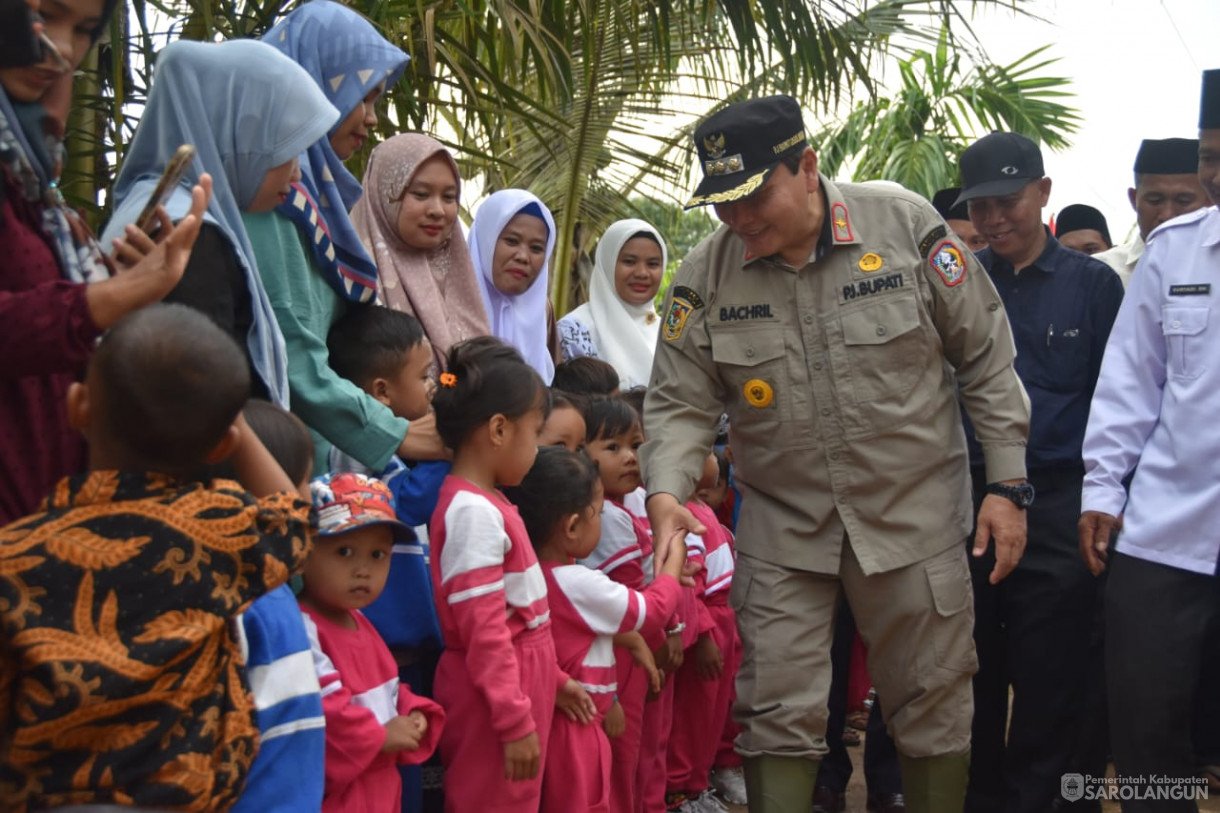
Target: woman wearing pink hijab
pixel 407 221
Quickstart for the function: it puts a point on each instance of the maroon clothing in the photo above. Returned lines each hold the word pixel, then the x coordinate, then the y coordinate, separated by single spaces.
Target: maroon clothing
pixel 46 335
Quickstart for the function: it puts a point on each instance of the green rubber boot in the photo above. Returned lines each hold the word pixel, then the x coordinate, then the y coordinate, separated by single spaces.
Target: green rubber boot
pixel 935 784
pixel 780 784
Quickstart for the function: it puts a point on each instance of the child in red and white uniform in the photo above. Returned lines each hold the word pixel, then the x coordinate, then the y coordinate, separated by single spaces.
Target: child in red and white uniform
pixel 372 723
pixel 498 680
pixel 560 501
pixel 703 687
pixel 728 779
pixel 651 771
pixel 612 440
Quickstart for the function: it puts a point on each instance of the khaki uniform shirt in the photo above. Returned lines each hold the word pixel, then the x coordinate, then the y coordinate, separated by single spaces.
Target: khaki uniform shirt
pixel 840 379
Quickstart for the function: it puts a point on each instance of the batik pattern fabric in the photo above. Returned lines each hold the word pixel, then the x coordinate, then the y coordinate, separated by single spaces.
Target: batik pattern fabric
pixel 121 680
pixel 347 58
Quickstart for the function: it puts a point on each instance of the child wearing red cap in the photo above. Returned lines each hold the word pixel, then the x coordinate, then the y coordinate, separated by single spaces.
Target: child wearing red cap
pixel 372 724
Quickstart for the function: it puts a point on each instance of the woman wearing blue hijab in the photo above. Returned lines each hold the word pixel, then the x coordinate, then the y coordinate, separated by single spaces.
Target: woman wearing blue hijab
pixel 353 65
pixel 249 112
pixel 309 256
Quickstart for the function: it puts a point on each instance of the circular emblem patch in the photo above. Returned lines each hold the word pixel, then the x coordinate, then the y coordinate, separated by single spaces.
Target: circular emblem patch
pixel 758 393
pixel 870 262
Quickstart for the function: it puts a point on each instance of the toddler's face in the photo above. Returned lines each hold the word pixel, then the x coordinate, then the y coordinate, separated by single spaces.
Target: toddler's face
pixel 409 394
pixel 348 571
pixel 618 461
pixel 520 448
pixel 565 427
pixel 589 528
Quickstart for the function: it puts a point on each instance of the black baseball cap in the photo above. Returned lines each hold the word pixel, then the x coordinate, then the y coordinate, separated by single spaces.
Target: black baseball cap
pixel 999 164
pixel 1167 156
pixel 740 146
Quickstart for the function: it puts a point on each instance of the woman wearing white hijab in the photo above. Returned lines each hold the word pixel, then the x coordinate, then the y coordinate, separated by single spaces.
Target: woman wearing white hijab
pixel 511 241
pixel 619 323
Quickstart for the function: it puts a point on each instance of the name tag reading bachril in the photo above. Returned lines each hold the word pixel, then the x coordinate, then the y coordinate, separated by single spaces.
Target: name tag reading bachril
pixel 1195 289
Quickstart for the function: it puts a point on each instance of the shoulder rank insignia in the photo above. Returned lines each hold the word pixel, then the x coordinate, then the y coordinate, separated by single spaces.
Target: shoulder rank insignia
pixel 840 223
pixel 683 303
pixel 947 261
pixel 929 240
pixel 870 262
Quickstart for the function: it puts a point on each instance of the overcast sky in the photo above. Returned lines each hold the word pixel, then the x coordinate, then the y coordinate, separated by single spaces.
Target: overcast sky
pixel 1135 66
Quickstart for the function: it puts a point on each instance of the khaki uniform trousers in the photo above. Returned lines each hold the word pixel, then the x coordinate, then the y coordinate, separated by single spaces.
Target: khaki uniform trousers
pixel 917 622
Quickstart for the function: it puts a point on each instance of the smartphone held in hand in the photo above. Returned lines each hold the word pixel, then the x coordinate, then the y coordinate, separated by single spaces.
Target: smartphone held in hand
pixel 147 221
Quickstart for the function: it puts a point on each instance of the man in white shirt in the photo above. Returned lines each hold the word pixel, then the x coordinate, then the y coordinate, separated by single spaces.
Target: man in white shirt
pixel 1153 413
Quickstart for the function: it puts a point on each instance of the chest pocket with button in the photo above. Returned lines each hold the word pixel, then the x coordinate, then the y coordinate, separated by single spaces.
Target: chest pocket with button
pixel 1185 333
pixel 752 367
pixel 884 348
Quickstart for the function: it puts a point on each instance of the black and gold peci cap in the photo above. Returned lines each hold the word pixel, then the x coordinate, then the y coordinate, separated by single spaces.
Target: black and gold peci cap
pixel 740 146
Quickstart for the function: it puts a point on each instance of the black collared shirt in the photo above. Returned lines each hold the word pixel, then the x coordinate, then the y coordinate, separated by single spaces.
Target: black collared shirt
pixel 1061 308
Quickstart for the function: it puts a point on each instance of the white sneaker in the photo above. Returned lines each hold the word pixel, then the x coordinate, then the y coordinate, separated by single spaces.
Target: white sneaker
pixel 708 803
pixel 730 783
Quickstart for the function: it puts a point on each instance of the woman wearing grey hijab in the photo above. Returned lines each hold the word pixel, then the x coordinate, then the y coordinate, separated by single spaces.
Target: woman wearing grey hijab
pixel 249 111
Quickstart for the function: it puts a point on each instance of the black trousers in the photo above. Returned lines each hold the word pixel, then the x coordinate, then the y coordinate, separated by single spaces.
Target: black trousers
pixel 881 771
pixel 1159 620
pixel 1033 633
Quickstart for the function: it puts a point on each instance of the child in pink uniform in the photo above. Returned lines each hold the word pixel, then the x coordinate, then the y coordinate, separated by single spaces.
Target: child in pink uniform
pixel 372 724
pixel 561 503
pixel 703 687
pixel 498 679
pixel 668 651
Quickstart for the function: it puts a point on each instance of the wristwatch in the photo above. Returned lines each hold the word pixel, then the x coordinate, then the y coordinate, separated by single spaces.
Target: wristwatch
pixel 1021 495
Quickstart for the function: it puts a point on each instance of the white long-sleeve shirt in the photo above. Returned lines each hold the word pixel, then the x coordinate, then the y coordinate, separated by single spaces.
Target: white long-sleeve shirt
pixel 1157 402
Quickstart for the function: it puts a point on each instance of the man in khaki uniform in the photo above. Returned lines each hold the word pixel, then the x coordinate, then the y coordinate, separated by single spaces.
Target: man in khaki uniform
pixel 835 324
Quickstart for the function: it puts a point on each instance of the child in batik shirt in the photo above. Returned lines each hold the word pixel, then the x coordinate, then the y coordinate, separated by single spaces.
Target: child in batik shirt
pixel 120 678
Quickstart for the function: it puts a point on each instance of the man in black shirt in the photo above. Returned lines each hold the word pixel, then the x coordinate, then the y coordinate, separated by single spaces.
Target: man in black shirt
pixel 1032 630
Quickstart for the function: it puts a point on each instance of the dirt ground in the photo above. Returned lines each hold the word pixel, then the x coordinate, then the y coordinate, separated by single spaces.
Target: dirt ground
pixel 857 794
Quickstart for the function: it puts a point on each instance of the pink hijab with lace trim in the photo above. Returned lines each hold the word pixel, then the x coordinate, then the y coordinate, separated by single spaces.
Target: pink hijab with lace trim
pixel 438 287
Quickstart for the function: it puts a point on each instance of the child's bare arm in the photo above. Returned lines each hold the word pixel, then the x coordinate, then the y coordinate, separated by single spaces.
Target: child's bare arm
pixel 616 721
pixel 256 469
pixel 575 702
pixel 634 643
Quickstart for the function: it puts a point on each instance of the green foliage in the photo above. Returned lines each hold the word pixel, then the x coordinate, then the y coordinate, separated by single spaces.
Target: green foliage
pixel 915 135
pixel 588 103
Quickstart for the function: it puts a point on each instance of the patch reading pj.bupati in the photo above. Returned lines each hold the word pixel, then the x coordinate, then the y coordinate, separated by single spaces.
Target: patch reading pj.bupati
pixel 868 287
pixel 685 301
pixel 929 240
pixel 947 260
